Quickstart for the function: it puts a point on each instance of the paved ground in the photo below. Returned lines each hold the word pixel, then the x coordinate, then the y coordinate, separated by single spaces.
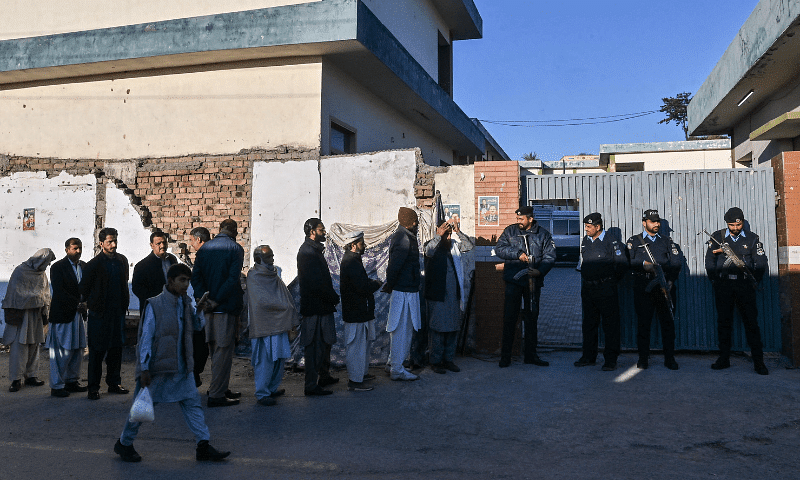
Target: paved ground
pixel 560 309
pixel 485 422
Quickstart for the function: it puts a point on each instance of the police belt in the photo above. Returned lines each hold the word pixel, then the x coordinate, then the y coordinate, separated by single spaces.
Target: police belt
pixel 732 277
pixel 598 282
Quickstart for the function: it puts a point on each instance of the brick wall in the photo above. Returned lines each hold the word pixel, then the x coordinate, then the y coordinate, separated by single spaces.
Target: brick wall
pixel 499 179
pixel 786 167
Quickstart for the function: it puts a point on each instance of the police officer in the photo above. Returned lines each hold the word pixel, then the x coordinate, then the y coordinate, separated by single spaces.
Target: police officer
pixel 668 256
pixel 603 262
pixel 733 286
pixel 529 253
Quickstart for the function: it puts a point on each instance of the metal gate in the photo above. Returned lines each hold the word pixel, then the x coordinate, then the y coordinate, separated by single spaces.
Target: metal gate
pixel 688 201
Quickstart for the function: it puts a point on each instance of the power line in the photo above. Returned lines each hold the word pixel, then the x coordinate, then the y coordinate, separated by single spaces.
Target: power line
pixel 580 121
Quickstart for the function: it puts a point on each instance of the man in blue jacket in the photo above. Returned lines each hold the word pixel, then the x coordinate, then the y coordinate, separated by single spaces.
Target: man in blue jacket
pixel 529 253
pixel 217 269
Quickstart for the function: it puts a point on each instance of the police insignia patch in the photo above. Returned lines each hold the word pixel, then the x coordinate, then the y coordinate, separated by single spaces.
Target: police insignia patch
pixel 630 246
pixel 759 249
pixel 674 250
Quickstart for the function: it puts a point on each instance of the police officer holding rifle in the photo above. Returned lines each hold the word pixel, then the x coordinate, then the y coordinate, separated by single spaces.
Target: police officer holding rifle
pixel 655 264
pixel 529 253
pixel 735 264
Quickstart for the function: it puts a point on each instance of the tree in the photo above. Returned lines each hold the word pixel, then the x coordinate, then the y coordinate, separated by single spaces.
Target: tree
pixel 529 157
pixel 675 108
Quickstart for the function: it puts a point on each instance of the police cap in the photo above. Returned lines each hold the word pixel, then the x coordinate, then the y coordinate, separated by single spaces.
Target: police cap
pixel 651 215
pixel 526 210
pixel 734 215
pixel 593 219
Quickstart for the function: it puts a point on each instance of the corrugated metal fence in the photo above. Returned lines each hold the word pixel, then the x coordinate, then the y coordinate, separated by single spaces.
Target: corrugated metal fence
pixel 688 201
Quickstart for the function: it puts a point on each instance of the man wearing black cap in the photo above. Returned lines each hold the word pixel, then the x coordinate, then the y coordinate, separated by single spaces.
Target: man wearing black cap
pixel 529 253
pixel 733 286
pixel 668 256
pixel 603 262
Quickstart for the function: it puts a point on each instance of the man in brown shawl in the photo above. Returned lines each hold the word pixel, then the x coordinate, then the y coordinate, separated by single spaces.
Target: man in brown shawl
pixel 26 306
pixel 272 315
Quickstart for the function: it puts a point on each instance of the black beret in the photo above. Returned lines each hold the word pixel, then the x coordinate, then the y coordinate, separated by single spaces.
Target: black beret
pixel 734 215
pixel 593 219
pixel 651 215
pixel 526 210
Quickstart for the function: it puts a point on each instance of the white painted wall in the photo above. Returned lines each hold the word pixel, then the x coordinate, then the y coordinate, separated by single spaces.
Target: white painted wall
pixel 29 18
pixel 415 24
pixel 285 194
pixel 65 207
pixel 212 112
pixel 367 189
pixel 683 160
pixel 457 185
pixel 377 125
pixel 133 240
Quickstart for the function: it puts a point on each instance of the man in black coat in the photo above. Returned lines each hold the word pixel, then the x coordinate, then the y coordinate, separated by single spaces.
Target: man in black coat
pixel 529 253
pixel 217 271
pixel 318 302
pixel 358 311
pixel 150 274
pixel 66 338
pixel 105 287
pixel 733 287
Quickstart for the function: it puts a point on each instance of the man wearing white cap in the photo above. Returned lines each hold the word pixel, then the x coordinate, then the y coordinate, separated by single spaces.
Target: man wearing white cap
pixel 358 311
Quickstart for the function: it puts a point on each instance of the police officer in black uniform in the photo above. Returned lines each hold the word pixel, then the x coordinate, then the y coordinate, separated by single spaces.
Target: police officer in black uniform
pixel 516 244
pixel 603 262
pixel 732 287
pixel 668 256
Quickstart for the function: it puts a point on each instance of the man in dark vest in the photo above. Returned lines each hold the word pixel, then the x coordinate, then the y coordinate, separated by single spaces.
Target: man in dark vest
pixel 733 287
pixel 164 363
pixel 646 303
pixel 105 288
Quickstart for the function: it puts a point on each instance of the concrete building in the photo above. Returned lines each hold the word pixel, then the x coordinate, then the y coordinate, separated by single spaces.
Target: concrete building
pixel 91 80
pixel 683 155
pixel 753 95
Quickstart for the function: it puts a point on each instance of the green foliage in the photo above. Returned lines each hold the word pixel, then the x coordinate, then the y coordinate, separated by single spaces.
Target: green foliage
pixel 675 110
pixel 529 157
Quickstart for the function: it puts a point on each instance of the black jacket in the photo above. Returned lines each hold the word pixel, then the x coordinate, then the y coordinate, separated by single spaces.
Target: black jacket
pixel 603 259
pixel 402 272
pixel 95 284
pixel 511 245
pixel 317 296
pixel 148 277
pixel 66 291
pixel 218 270
pixel 358 290
pixel 748 248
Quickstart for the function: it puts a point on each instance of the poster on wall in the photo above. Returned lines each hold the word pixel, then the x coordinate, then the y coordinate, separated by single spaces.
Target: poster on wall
pixel 29 219
pixel 452 211
pixel 488 211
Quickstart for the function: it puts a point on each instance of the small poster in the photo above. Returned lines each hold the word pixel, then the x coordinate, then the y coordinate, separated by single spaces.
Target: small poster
pixel 488 211
pixel 29 219
pixel 452 211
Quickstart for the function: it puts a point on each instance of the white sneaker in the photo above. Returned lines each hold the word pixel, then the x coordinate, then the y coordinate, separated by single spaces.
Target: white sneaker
pixel 404 375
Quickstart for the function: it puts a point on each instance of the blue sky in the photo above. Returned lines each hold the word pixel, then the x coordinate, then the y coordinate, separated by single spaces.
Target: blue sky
pixel 576 59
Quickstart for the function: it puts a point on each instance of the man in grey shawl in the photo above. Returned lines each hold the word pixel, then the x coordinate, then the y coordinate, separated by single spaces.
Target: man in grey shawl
pixel 445 292
pixel 272 315
pixel 26 306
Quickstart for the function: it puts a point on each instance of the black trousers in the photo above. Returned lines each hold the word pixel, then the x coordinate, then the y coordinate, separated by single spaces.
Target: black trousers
pixel 200 352
pixel 113 357
pixel 600 304
pixel 530 317
pixel 647 304
pixel 737 293
pixel 318 359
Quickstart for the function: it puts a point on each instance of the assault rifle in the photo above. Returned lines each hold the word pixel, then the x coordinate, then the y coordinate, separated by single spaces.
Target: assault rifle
pixel 728 251
pixel 660 281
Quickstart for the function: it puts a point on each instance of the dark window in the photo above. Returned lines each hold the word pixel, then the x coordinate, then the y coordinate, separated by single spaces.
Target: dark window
pixel 342 140
pixel 445 65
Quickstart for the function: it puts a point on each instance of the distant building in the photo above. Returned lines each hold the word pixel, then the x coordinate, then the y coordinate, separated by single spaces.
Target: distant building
pixel 683 155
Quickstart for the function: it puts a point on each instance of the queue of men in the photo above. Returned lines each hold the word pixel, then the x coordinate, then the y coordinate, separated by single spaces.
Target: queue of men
pixel 177 332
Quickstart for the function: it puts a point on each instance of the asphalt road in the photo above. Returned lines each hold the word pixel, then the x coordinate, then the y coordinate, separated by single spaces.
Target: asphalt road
pixel 485 422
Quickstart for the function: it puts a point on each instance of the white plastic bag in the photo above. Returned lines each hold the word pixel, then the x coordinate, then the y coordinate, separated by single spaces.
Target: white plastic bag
pixel 142 409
